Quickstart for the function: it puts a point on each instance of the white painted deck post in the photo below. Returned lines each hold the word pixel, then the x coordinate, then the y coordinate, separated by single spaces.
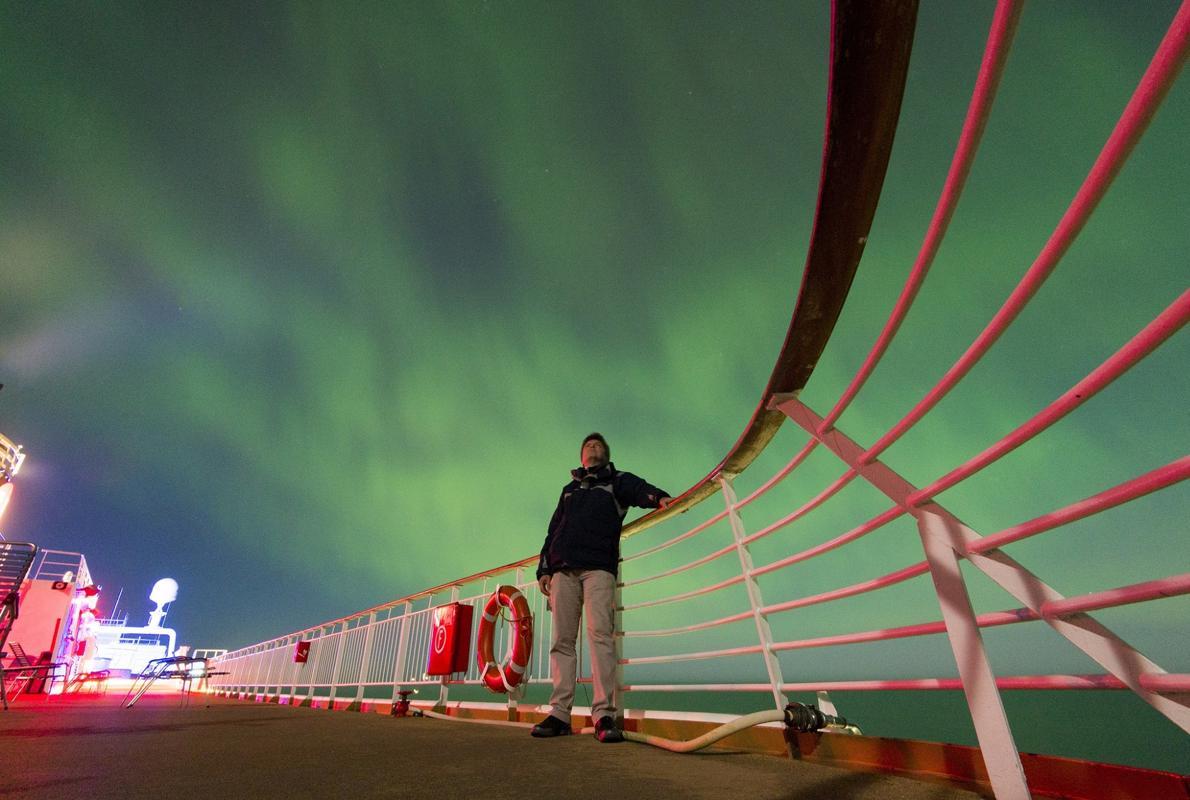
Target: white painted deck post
pixel 979 683
pixel 763 632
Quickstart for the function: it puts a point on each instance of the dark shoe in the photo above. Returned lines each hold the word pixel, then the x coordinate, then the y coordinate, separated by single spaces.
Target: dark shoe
pixel 607 732
pixel 551 726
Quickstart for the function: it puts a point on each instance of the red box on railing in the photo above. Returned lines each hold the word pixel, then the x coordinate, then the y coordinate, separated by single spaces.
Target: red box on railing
pixel 301 653
pixel 450 639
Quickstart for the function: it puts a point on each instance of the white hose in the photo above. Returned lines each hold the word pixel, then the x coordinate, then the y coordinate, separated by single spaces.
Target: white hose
pixel 710 737
pixel 427 713
pixel 673 745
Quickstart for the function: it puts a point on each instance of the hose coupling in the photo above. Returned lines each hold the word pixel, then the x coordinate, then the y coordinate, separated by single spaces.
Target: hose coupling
pixel 806 719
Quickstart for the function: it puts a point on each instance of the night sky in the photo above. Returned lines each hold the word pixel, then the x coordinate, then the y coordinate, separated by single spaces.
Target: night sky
pixel 309 306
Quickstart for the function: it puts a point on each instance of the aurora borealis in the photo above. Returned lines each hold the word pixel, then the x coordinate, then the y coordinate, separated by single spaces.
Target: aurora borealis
pixel 309 305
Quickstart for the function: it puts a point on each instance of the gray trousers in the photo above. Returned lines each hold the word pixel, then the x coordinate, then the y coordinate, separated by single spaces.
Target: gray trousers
pixel 573 591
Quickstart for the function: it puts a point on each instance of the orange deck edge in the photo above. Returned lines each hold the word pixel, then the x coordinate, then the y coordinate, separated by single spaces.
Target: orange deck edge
pixel 1048 776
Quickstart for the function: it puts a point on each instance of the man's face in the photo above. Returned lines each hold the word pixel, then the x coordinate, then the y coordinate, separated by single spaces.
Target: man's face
pixel 594 453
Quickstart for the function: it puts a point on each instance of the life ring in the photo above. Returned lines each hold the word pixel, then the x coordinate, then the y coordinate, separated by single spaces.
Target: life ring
pixel 507 675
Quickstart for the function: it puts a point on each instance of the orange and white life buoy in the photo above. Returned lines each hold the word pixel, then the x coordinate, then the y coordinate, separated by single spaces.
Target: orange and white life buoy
pixel 508 674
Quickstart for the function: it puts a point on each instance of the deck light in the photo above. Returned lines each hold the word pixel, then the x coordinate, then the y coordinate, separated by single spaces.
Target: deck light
pixel 5 496
pixel 11 459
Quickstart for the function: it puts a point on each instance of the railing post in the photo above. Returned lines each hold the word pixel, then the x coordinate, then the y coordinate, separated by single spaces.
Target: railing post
pixel 825 704
pixel 339 641
pixel 253 673
pixel 363 664
pixel 249 666
pixel 292 666
pixel 979 683
pixel 262 678
pixel 763 632
pixel 269 675
pixel 246 671
pixel 402 648
pixel 516 694
pixel 309 668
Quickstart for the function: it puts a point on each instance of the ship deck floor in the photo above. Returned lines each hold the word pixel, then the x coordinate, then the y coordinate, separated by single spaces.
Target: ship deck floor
pixel 90 746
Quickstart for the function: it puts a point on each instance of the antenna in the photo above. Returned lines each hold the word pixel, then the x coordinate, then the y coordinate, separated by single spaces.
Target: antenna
pixel 164 591
pixel 116 607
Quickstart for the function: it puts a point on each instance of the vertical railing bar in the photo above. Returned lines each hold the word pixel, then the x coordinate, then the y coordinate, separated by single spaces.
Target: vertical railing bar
pixel 249 672
pixel 279 656
pixel 402 651
pixel 388 653
pixel 367 653
pixel 310 669
pixel 417 652
pixel 274 679
pixel 515 696
pixel 258 662
pixel 271 667
pixel 992 730
pixel 764 632
pixel 340 638
pixel 292 666
pixel 262 676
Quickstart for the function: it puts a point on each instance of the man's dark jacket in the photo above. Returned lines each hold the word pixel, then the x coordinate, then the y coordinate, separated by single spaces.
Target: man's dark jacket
pixel 584 532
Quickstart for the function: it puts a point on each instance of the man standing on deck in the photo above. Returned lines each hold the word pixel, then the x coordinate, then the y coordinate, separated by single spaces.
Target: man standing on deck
pixel 577 572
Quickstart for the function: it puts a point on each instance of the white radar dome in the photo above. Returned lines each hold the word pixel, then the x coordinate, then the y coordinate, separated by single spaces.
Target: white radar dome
pixel 164 591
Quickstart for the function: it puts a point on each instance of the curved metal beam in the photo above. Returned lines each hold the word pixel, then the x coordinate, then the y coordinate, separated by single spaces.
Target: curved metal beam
pixel 870 47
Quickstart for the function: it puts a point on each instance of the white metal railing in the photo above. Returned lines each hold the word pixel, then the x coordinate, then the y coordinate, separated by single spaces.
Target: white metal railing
pixel 385 647
pixel 61 565
pixel 11 457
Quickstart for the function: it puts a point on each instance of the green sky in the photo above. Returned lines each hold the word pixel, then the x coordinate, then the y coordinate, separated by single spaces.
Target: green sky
pixel 309 306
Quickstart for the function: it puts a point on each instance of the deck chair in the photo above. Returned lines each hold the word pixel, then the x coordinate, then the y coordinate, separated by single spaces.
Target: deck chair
pixel 26 672
pixel 15 560
pixel 185 668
